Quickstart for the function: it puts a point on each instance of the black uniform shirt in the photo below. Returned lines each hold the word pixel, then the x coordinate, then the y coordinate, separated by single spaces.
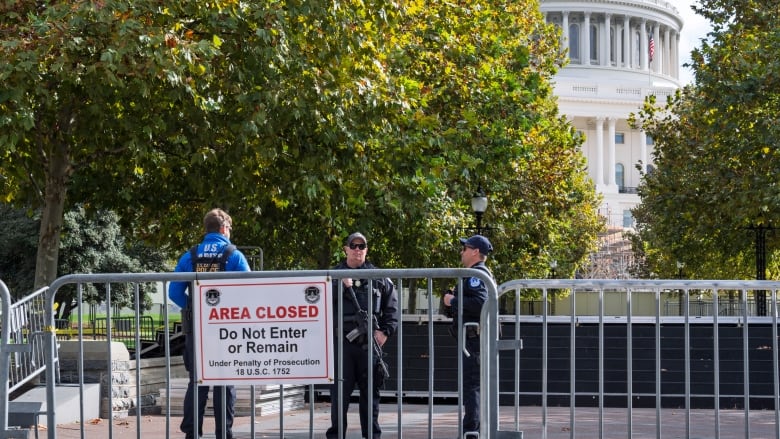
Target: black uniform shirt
pixel 385 300
pixel 474 296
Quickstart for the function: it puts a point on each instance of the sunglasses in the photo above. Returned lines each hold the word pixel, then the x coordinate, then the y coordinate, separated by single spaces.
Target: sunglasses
pixel 360 246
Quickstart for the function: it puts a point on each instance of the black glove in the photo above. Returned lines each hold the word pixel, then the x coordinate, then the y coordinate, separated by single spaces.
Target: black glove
pixel 445 310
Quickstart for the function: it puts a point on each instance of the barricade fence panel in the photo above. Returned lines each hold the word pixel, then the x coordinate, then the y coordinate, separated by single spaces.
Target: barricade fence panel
pixel 27 326
pixel 648 356
pixel 22 353
pixel 622 349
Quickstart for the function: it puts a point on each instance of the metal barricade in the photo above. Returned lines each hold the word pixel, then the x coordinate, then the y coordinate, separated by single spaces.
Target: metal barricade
pixel 400 277
pixel 609 364
pixel 658 375
pixel 22 356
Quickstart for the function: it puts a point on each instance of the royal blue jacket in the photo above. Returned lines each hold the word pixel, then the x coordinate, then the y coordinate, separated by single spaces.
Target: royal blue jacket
pixel 213 243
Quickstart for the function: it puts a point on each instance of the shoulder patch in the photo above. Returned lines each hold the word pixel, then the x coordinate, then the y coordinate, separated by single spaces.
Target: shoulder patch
pixel 475 282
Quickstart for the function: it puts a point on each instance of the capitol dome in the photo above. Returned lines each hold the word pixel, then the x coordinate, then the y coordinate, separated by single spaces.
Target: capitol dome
pixel 620 51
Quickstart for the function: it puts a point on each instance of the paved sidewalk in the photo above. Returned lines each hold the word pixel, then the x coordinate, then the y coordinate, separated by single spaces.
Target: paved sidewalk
pixel 444 423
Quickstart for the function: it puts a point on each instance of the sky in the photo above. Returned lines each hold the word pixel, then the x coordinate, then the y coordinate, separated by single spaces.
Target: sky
pixel 695 27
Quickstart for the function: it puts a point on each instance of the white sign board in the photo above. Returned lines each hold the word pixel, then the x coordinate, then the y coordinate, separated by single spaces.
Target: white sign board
pixel 263 331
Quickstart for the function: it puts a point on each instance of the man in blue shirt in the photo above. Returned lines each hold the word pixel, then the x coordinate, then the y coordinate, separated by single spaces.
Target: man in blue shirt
pixel 215 253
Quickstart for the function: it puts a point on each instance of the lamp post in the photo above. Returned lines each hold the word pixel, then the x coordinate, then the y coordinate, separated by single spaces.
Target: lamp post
pixel 760 295
pixel 680 266
pixel 479 204
pixel 680 275
pixel 553 275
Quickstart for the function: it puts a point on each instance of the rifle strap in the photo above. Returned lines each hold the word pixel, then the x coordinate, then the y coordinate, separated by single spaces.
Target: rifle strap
pixel 370 335
pixel 355 302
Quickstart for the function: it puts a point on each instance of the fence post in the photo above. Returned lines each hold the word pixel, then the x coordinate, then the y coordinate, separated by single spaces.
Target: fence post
pixel 5 355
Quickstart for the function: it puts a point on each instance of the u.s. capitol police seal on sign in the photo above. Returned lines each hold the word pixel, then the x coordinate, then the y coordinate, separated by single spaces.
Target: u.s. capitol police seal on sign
pixel 312 294
pixel 212 297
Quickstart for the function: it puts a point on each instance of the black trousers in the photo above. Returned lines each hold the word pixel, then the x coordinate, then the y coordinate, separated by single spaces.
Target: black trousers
pixel 228 401
pixel 471 386
pixel 356 370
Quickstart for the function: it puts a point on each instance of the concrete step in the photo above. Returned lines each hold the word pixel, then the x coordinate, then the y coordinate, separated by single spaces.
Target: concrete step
pixel 24 410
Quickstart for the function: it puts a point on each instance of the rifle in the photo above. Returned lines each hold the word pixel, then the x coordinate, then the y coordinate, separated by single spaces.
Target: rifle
pixel 363 329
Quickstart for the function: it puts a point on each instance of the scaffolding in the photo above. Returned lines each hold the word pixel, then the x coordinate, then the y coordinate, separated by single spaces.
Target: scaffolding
pixel 614 258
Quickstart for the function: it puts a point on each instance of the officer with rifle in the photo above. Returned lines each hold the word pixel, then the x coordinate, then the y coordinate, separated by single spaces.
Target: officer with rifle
pixel 362 329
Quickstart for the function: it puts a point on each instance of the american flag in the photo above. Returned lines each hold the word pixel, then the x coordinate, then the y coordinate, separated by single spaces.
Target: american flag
pixel 651 48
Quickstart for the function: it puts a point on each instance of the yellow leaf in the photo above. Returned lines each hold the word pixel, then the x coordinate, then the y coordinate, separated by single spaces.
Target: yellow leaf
pixel 217 41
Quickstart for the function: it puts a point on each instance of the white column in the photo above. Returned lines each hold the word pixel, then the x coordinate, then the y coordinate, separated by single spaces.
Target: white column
pixel 643 150
pixel 643 45
pixel 674 59
pixel 565 33
pixel 658 47
pixel 599 152
pixel 586 40
pixel 605 61
pixel 627 42
pixel 611 158
pixel 667 67
pixel 676 63
pixel 618 46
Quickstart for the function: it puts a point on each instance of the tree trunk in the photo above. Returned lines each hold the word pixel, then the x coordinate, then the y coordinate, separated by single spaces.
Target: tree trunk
pixel 324 255
pixel 57 173
pixel 412 303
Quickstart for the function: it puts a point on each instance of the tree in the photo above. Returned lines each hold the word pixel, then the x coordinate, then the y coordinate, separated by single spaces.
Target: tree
pixel 17 250
pixel 476 108
pixel 86 86
pixel 90 244
pixel 306 121
pixel 96 245
pixel 163 110
pixel 482 112
pixel 716 158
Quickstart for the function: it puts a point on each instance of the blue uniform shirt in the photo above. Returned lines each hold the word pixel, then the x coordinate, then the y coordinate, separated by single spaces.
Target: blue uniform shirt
pixel 213 243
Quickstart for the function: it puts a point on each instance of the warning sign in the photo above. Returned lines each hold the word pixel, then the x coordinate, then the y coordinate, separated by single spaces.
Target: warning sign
pixel 263 331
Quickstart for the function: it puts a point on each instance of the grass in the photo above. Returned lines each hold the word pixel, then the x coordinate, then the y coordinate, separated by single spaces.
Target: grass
pixel 123 327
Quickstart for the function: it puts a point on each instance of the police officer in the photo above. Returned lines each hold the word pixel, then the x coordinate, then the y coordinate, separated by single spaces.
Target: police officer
pixel 356 341
pixel 215 253
pixel 473 255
